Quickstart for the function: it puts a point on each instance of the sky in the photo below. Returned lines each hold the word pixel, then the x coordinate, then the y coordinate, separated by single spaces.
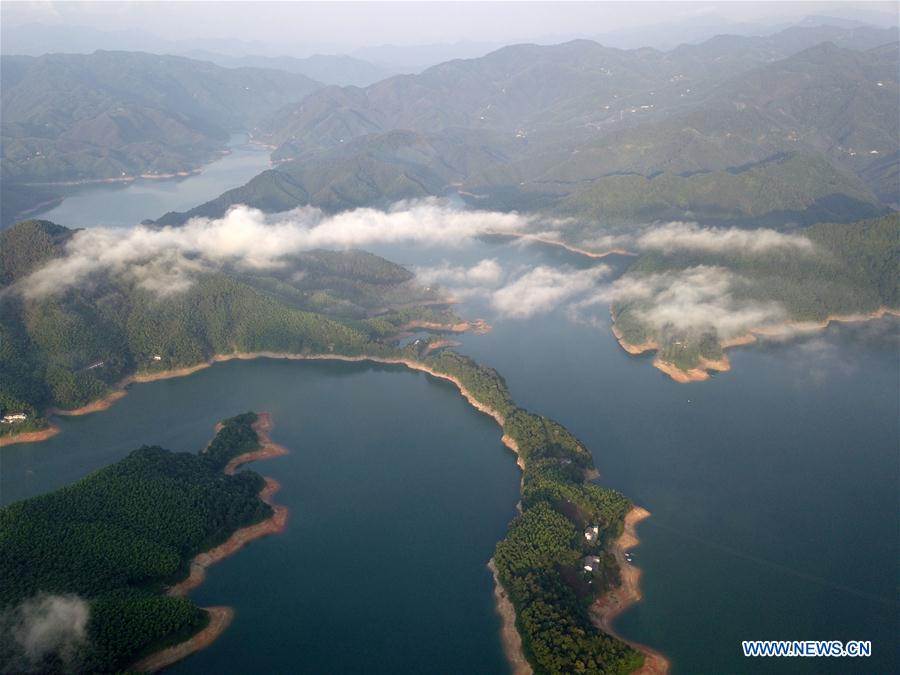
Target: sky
pixel 343 26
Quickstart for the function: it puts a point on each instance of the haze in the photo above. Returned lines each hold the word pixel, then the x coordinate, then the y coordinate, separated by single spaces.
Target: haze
pixel 301 29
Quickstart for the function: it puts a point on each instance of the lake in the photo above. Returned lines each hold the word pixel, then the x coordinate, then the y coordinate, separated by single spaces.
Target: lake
pixel 127 204
pixel 773 490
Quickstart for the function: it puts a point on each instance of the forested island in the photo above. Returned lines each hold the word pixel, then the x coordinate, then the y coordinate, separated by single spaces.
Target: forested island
pixel 851 272
pixel 110 544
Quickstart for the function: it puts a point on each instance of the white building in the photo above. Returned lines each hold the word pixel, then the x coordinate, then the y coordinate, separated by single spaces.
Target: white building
pixel 591 563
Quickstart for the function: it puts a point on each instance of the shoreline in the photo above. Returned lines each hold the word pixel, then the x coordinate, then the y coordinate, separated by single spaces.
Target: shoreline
pixel 221 617
pixel 30 436
pixel 277 521
pixel 141 378
pixel 123 179
pixel 243 536
pixel 509 634
pixel 605 609
pixel 701 372
pixel 476 326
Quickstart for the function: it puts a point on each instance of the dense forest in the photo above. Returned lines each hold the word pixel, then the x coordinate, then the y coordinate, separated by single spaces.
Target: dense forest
pixel 853 269
pixel 115 539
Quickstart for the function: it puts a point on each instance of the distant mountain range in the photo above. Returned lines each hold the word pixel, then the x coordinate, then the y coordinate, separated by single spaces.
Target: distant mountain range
pixel 810 108
pixel 106 115
pixel 73 117
pixel 337 69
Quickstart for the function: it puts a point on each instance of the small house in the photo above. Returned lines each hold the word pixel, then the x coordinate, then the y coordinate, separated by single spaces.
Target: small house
pixel 591 533
pixel 591 563
pixel 12 418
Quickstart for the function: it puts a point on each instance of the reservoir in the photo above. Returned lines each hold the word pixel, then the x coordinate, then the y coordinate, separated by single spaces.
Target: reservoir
pixel 773 490
pixel 127 204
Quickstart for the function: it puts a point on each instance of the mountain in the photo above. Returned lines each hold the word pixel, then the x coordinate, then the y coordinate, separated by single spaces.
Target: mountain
pixel 415 58
pixel 336 69
pixel 70 117
pixel 534 88
pixel 607 135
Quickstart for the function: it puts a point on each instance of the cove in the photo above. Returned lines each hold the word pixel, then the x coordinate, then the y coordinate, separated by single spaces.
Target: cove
pixel 397 490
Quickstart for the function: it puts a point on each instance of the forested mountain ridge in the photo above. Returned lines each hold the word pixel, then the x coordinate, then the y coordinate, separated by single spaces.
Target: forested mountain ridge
pixel 72 348
pixel 70 117
pixel 564 128
pixel 532 88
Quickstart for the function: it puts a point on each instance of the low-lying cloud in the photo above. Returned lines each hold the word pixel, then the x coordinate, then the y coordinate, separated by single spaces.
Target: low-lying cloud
pixel 515 293
pixel 166 260
pixel 677 236
pixel 487 272
pixel 698 298
pixel 544 289
pixel 41 629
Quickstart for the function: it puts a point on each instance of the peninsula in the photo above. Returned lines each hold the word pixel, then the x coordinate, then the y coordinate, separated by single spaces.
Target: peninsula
pixel 140 530
pixel 844 274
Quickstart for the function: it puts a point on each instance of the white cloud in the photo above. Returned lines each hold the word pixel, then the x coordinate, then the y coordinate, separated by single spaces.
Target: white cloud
pixel 165 260
pixel 697 298
pixel 543 289
pixel 45 626
pixel 676 236
pixel 487 272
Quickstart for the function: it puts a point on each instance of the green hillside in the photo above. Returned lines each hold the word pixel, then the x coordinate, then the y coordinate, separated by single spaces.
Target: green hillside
pixel 51 346
pixel 783 132
pixel 83 117
pixel 855 269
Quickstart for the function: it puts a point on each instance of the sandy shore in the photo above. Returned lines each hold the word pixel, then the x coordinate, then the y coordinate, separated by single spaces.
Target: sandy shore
pixel 649 345
pixel 240 538
pixel 509 634
pixel 440 344
pixel 121 179
pixel 704 366
pixel 95 406
pixel 30 436
pixel 617 600
pixel 477 326
pixel 221 617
